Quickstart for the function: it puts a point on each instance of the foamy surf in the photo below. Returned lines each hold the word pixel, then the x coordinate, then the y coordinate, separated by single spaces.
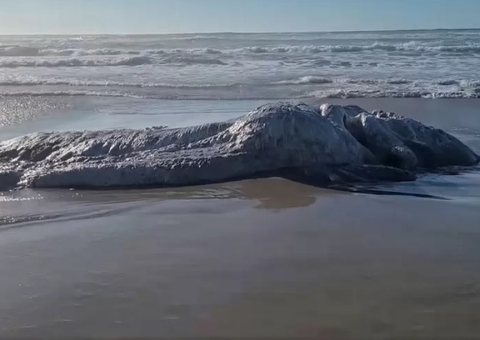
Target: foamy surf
pixel 76 62
pixel 424 64
pixel 412 46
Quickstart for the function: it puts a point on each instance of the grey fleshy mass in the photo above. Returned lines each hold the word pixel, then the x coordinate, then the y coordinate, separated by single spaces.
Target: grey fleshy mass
pixel 330 144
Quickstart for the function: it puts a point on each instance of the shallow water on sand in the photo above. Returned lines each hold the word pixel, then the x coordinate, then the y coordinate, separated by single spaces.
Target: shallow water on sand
pixel 248 259
pixel 254 258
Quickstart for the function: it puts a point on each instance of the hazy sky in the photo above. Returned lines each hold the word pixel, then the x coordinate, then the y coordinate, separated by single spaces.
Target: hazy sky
pixel 171 16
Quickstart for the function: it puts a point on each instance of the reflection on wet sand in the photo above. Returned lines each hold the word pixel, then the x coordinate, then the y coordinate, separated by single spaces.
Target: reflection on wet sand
pixel 278 194
pixel 48 206
pixel 270 193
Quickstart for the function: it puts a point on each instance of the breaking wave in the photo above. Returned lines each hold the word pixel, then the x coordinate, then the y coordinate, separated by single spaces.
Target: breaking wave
pixel 306 80
pixel 406 47
pixel 183 60
pixel 93 83
pixel 340 93
pixel 192 60
pixel 26 51
pixel 205 93
pixel 73 93
pixel 76 62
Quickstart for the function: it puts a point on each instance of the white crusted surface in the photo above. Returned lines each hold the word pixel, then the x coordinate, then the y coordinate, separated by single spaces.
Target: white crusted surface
pixel 269 139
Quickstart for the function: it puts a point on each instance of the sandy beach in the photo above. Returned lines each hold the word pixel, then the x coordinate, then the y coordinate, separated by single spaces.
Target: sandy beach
pixel 258 258
pixel 264 258
pixel 168 169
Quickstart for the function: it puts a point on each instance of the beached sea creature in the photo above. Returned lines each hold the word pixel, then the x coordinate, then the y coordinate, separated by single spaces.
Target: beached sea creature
pixel 324 145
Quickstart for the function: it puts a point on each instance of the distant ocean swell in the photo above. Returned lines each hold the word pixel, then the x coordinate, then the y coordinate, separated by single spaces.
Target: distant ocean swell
pixel 110 62
pixel 25 51
pixel 75 62
pixel 305 80
pixel 415 64
pixel 251 95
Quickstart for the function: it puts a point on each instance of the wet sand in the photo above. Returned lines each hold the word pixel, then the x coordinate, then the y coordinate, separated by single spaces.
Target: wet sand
pixel 246 259
pixel 258 258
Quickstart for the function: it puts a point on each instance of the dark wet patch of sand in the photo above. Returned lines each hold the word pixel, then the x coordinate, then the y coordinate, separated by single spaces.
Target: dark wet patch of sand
pixel 244 259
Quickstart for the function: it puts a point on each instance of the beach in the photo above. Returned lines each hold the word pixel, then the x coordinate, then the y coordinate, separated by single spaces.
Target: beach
pixel 257 258
pixel 266 258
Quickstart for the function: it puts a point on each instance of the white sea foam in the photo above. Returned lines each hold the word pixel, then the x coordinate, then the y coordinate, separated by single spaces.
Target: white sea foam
pixel 302 87
pixel 26 51
pixel 101 83
pixel 74 93
pixel 83 52
pixel 184 60
pixel 303 80
pixel 212 94
pixel 340 93
pixel 306 80
pixel 76 62
pixel 405 47
pixel 246 66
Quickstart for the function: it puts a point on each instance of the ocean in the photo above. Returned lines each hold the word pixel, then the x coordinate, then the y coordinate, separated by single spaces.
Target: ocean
pixel 419 64
pixel 255 258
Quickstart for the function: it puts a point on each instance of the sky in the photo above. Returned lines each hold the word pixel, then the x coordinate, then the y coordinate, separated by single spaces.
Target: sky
pixel 190 16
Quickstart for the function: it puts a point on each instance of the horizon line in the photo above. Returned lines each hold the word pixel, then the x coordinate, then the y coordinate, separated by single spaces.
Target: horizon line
pixel 240 32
